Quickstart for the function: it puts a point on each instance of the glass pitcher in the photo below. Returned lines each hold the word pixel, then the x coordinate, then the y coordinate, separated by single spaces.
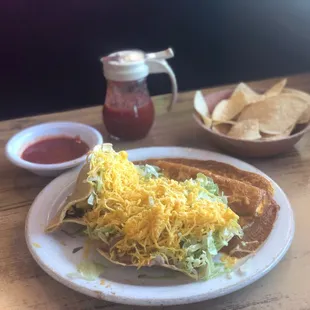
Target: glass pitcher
pixel 128 111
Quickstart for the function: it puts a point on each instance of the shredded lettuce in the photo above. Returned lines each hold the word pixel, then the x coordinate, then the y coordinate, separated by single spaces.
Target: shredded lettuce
pixel 105 147
pixel 149 171
pixel 101 233
pixel 91 199
pixel 97 184
pixel 96 181
pixel 210 190
pixel 201 261
pixel 151 201
pixel 211 245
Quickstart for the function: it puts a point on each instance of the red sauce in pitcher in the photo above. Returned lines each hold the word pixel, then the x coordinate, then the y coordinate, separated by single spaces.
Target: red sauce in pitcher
pixel 128 112
pixel 129 124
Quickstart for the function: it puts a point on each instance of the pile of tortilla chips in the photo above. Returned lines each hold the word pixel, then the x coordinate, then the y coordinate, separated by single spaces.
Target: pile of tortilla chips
pixel 249 115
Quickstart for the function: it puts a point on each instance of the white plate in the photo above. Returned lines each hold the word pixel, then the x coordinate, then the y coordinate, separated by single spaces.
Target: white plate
pixel 53 252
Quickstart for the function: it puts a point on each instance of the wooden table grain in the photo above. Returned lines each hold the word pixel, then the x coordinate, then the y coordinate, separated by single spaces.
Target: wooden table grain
pixel 23 285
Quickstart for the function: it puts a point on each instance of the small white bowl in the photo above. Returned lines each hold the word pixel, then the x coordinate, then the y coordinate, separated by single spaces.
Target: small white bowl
pixel 18 143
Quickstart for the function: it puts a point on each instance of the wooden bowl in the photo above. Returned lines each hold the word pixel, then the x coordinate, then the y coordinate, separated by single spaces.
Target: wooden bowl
pixel 247 148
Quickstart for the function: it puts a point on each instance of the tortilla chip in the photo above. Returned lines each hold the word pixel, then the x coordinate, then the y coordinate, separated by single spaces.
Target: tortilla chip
pixel 228 109
pixel 271 109
pixel 285 134
pixel 246 130
pixel 200 104
pixel 275 114
pixel 207 121
pixel 305 117
pixel 276 89
pixel 80 195
pixel 221 128
pixel 226 122
pixel 202 109
pixel 245 93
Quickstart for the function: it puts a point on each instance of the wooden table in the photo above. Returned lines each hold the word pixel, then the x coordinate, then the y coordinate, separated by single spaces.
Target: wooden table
pixel 24 285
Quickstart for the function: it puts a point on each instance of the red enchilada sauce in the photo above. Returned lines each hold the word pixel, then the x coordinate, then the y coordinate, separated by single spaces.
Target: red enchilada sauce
pixel 55 150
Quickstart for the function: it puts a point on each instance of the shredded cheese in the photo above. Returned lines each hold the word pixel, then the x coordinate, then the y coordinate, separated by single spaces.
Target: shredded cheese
pixel 151 214
pixel 229 261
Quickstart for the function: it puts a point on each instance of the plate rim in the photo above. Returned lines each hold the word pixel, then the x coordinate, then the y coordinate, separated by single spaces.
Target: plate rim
pixel 160 301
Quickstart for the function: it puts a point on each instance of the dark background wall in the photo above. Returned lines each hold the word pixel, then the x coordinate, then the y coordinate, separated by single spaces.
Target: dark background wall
pixel 50 50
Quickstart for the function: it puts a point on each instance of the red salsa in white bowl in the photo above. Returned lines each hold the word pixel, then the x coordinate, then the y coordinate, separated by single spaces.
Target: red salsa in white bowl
pixel 55 150
pixel 49 149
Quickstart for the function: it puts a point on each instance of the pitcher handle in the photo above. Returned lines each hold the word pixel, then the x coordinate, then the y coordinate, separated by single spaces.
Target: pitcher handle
pixel 161 66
